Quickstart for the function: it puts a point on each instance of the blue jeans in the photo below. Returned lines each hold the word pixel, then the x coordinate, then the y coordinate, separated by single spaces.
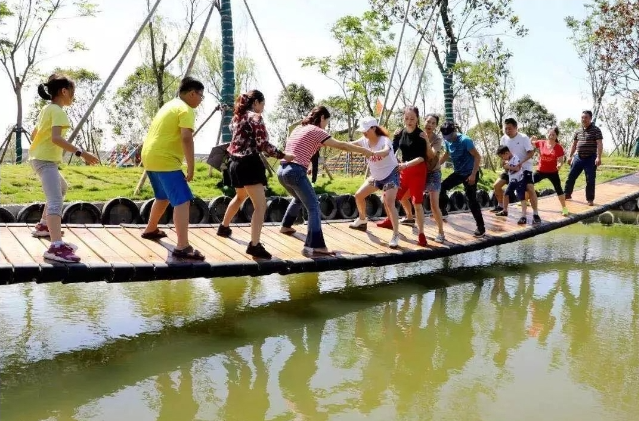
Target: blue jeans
pixel 293 178
pixel 578 166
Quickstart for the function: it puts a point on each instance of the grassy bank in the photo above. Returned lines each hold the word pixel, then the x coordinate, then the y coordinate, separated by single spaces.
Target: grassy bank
pixel 20 185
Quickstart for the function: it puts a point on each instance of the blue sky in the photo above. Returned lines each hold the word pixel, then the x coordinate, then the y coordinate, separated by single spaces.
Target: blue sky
pixel 544 63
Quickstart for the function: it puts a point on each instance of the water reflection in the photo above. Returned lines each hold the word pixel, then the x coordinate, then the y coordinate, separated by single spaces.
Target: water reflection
pixel 517 340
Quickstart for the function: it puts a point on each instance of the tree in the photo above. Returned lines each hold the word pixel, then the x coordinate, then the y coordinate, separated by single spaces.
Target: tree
pixel 532 117
pixel 208 68
pixel 599 73
pixel 615 38
pixel 359 69
pixel 87 85
pixel 135 103
pixel 292 105
pixel 567 130
pixel 159 54
pixel 461 22
pixel 490 131
pixel 622 120
pixel 21 51
pixel 416 82
pixel 4 13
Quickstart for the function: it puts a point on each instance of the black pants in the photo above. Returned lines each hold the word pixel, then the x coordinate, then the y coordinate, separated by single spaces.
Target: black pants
pixel 554 179
pixel 314 166
pixel 454 180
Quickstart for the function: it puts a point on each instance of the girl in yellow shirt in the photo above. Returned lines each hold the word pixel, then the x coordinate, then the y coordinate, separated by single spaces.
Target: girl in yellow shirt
pixel 45 154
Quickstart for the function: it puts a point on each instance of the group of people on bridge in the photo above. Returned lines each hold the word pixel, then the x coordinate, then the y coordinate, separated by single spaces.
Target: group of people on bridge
pixel 402 168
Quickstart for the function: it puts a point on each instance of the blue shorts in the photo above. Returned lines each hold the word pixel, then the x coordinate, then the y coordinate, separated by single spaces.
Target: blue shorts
pixel 434 181
pixel 390 182
pixel 171 186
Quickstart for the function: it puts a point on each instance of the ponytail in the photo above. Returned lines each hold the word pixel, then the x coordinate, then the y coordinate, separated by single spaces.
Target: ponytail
pixel 52 88
pixel 245 102
pixel 381 131
pixel 42 91
pixel 315 116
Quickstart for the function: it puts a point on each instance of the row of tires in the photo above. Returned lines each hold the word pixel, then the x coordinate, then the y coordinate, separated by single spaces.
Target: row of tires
pixel 124 211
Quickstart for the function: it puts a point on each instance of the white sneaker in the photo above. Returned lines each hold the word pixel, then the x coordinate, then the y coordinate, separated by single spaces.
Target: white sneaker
pixel 440 238
pixel 358 224
pixel 394 242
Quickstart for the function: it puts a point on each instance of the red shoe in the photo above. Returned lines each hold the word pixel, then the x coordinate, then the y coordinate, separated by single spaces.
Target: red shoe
pixel 42 231
pixel 421 240
pixel 386 223
pixel 62 253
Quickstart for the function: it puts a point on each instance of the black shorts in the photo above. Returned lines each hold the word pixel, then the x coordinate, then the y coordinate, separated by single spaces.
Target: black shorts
pixel 554 179
pixel 518 188
pixel 504 176
pixel 247 171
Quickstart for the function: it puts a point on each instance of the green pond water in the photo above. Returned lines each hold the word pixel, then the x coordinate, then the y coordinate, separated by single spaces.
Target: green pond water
pixel 543 329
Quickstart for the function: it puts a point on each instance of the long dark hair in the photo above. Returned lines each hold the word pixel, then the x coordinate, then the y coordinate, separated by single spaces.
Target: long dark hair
pixel 245 102
pixel 315 116
pixel 54 86
pixel 381 131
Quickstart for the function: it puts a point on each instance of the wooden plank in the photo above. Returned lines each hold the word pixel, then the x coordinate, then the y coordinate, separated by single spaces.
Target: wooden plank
pixel 162 247
pixel 210 253
pixel 13 248
pixel 35 247
pixel 84 252
pixel 293 244
pixel 106 236
pixel 138 246
pixel 243 236
pixel 349 241
pixel 102 250
pixel 230 246
pixel 273 246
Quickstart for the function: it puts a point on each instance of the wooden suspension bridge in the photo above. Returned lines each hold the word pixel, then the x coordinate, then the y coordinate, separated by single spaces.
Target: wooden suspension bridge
pixel 118 254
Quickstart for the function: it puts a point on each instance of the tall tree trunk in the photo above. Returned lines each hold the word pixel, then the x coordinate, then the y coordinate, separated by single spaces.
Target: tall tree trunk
pixel 451 59
pixel 228 67
pixel 18 128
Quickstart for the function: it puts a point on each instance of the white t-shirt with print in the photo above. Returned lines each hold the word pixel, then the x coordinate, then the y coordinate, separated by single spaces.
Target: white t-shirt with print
pixel 519 146
pixel 380 167
pixel 515 175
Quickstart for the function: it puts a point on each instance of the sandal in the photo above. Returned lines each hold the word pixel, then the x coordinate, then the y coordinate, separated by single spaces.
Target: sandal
pixel 154 235
pixel 188 253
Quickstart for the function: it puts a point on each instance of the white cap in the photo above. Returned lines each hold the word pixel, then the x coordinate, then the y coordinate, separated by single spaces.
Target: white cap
pixel 366 123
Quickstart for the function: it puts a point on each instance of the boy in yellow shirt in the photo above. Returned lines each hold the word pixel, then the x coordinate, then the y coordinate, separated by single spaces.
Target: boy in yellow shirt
pixel 168 142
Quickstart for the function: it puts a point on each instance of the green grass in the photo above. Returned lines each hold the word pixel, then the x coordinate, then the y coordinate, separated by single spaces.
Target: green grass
pixel 20 185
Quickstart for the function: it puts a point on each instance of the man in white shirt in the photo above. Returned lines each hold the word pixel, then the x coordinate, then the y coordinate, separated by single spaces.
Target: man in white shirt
pixel 520 145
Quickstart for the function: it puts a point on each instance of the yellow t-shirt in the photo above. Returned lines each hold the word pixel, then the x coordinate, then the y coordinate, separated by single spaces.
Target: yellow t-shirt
pixel 42 147
pixel 162 149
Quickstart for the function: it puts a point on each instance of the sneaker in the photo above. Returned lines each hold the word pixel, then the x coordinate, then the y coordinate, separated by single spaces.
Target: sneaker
pixel 496 209
pixel 258 251
pixel 394 242
pixel 536 220
pixel 591 203
pixel 42 231
pixel 568 197
pixel 564 212
pixel 61 253
pixel 358 224
pixel 479 232
pixel 522 221
pixel 502 212
pixel 386 223
pixel 421 240
pixel 223 231
pixel 440 238
pixel 407 221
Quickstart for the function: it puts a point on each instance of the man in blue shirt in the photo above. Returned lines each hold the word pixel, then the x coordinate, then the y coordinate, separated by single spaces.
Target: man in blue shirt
pixel 461 151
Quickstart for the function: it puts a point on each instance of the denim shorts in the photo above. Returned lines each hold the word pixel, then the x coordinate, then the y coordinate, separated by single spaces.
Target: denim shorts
pixel 434 181
pixel 517 187
pixel 390 182
pixel 171 186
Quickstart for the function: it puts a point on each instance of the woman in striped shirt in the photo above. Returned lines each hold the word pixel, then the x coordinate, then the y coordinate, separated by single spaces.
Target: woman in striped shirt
pixel 303 143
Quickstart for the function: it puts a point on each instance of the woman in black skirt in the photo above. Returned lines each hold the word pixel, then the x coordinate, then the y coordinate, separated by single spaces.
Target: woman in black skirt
pixel 246 169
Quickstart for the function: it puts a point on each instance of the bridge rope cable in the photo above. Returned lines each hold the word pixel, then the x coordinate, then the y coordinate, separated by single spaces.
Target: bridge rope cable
pixel 410 65
pixel 108 80
pixel 423 72
pixel 188 70
pixel 399 44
